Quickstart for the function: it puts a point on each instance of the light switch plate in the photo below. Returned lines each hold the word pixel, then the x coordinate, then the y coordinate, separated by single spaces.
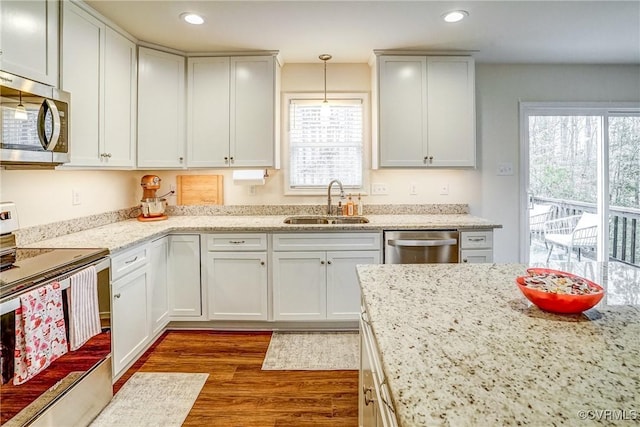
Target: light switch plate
pixel 379 188
pixel 505 169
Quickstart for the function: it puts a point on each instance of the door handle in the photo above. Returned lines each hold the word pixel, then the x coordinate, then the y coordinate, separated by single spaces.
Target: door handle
pixel 423 243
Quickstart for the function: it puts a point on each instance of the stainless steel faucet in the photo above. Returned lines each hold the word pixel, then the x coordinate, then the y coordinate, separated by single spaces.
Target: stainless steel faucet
pixel 329 194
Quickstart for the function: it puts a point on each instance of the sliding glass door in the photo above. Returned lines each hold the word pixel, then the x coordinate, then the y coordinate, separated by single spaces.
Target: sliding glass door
pixel 581 175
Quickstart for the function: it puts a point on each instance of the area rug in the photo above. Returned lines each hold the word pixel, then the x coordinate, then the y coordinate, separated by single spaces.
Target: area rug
pixel 152 399
pixel 313 351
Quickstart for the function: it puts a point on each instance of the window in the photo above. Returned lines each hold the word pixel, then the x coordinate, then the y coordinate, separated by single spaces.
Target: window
pixel 325 142
pixel 580 160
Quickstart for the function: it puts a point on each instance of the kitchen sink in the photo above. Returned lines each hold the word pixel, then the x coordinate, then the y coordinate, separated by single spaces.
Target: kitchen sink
pixel 309 219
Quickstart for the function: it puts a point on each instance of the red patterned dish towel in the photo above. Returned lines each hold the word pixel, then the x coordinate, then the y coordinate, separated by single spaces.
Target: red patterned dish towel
pixel 40 331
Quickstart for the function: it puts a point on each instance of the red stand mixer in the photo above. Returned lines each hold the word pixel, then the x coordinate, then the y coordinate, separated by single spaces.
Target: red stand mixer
pixel 152 206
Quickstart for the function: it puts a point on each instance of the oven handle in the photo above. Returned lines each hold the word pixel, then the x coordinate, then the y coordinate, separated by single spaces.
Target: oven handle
pixel 422 242
pixel 12 304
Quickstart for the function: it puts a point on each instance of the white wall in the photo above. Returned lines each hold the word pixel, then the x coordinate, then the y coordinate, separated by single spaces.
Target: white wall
pixel 499 89
pixel 44 196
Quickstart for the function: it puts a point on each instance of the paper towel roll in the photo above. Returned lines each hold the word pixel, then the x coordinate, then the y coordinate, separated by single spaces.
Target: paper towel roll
pixel 249 177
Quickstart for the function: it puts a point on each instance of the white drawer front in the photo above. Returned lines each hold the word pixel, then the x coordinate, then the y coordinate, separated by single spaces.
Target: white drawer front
pixel 476 240
pixel 326 241
pixel 128 261
pixel 236 242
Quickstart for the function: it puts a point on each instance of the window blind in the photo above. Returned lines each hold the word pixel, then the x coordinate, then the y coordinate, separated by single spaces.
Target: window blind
pixel 325 142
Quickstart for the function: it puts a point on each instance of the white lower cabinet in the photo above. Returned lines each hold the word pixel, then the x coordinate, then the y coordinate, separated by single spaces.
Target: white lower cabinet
pixel 183 270
pixel 476 246
pixel 130 317
pixel 374 400
pixel 320 284
pixel 159 284
pixel 237 276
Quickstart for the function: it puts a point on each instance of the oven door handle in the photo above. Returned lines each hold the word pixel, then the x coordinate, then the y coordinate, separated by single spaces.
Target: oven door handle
pixel 422 242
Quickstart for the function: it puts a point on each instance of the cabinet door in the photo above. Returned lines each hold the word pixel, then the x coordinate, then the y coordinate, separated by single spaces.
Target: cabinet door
pixel 473 256
pixel 451 111
pixel 82 70
pixel 130 318
pixel 402 90
pixel 158 284
pixel 33 52
pixel 237 285
pixel 161 93
pixel 208 112
pixel 343 289
pixel 367 410
pixel 252 111
pixel 299 285
pixel 185 296
pixel 119 101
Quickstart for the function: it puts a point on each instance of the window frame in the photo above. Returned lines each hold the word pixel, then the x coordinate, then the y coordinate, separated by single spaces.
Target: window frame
pixel 366 140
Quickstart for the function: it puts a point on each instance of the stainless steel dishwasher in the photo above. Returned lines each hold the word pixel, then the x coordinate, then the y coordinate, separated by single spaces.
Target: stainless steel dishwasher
pixel 420 247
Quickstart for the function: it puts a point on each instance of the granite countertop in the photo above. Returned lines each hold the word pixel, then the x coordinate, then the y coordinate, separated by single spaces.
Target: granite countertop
pixel 123 234
pixel 460 345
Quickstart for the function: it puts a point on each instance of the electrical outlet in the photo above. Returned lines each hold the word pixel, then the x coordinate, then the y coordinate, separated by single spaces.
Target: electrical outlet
pixel 75 197
pixel 413 189
pixel 505 169
pixel 379 188
pixel 444 189
pixel 252 190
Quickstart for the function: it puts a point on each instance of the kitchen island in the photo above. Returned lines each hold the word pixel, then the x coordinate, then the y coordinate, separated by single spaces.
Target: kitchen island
pixel 460 345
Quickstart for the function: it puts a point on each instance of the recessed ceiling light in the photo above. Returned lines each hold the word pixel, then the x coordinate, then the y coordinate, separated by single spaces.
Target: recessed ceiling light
pixel 455 15
pixel 192 18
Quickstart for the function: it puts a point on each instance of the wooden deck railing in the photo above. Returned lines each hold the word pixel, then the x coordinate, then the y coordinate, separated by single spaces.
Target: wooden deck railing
pixel 624 226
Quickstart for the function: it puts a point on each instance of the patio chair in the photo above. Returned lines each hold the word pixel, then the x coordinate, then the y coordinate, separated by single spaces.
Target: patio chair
pixel 571 232
pixel 538 216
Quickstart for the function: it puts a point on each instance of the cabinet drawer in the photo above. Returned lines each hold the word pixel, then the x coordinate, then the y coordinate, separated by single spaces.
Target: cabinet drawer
pixel 476 239
pixel 128 261
pixel 236 242
pixel 326 241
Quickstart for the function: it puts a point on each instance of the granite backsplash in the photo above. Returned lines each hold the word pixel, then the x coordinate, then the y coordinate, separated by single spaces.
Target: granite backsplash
pixel 34 234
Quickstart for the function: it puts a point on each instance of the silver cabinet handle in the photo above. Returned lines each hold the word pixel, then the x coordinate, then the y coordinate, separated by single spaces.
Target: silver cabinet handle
pixel 236 242
pixel 476 239
pixel 116 295
pixel 367 396
pixel 418 243
pixel 132 260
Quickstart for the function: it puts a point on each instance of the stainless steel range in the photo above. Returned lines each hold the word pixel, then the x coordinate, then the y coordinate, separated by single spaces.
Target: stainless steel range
pixel 74 388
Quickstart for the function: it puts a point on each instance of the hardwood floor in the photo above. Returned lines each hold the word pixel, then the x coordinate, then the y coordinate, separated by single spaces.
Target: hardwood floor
pixel 239 393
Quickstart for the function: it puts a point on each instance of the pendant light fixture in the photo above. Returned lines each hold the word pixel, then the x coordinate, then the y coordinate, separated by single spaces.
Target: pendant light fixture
pixel 21 112
pixel 324 109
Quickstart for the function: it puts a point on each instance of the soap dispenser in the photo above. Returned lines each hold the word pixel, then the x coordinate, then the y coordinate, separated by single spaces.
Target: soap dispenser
pixel 360 207
pixel 350 206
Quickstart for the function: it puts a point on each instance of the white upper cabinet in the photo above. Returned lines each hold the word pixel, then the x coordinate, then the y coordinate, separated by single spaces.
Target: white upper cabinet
pixel 208 112
pixel 82 68
pixel 29 39
pixel 231 111
pixel 161 109
pixel 98 69
pixel 426 111
pixel 120 85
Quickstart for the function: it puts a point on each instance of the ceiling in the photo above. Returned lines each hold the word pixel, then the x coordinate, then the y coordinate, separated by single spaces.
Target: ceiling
pixel 495 31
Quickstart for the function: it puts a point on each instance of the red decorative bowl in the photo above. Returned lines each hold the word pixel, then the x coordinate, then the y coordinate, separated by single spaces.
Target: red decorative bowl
pixel 559 302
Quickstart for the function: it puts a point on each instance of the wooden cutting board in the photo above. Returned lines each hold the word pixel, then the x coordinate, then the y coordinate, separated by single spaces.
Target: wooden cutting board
pixel 199 190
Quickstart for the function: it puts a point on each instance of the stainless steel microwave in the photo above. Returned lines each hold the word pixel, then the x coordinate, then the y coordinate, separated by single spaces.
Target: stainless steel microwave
pixel 33 123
